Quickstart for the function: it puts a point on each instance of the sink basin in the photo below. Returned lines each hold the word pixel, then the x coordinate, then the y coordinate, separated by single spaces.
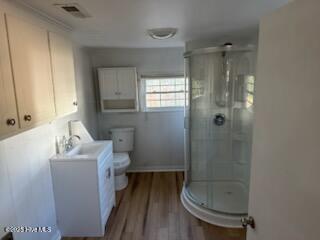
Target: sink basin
pixel 86 151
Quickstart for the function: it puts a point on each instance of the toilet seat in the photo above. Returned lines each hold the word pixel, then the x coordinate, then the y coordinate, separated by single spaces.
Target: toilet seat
pixel 121 160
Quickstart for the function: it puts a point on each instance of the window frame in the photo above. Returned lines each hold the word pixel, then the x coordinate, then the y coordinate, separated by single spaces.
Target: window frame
pixel 143 93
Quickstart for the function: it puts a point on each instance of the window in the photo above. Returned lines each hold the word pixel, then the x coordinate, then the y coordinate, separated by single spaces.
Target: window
pixel 163 93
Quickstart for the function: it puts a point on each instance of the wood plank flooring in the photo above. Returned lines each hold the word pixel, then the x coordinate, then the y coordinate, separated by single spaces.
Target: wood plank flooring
pixel 150 209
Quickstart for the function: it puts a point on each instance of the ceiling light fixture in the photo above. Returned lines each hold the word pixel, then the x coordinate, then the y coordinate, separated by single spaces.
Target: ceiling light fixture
pixel 162 33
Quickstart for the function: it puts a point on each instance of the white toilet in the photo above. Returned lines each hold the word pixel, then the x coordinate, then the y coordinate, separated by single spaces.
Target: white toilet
pixel 122 139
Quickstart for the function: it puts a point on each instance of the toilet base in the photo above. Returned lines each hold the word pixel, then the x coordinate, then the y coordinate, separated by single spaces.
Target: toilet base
pixel 121 182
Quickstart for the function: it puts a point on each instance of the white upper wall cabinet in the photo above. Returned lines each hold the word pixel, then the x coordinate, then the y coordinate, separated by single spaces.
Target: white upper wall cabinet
pixel 31 69
pixel 8 109
pixel 63 74
pixel 118 89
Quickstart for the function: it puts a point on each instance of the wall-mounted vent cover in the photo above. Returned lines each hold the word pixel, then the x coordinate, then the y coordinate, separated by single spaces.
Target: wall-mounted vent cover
pixel 74 9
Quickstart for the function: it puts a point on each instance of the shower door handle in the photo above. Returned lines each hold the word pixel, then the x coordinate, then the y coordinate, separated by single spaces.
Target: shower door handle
pixel 245 221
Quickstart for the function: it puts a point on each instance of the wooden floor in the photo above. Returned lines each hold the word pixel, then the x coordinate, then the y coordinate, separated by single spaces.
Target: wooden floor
pixel 150 209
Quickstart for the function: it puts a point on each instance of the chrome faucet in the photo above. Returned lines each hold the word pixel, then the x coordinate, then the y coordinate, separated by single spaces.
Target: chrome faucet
pixel 68 145
pixel 64 145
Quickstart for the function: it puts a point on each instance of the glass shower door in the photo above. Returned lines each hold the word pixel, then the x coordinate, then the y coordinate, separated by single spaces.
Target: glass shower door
pixel 219 127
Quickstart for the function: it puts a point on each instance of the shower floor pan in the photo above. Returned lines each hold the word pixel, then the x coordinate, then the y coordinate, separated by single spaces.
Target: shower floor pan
pixel 222 203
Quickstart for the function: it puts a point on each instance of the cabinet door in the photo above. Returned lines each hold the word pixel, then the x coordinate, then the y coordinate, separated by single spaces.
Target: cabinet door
pixel 8 108
pixel 108 83
pixel 127 83
pixel 63 74
pixel 29 48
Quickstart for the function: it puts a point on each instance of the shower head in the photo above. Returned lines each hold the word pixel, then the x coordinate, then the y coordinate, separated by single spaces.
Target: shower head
pixel 227 45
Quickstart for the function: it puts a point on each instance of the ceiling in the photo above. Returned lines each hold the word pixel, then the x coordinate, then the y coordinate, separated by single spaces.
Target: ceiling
pixel 123 23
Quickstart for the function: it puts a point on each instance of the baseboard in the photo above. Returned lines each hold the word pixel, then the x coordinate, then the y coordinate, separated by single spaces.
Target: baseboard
pixel 157 169
pixel 57 236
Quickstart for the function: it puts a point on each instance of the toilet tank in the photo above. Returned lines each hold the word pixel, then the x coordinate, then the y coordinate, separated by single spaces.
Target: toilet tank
pixel 122 139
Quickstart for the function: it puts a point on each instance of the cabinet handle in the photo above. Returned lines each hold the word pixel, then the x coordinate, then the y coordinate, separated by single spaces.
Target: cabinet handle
pixel 11 122
pixel 27 118
pixel 75 103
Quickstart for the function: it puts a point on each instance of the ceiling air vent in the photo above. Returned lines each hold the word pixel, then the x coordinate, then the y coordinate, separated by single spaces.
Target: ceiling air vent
pixel 74 9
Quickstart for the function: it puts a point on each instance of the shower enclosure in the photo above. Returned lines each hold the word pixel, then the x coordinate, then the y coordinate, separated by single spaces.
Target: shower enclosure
pixel 218 133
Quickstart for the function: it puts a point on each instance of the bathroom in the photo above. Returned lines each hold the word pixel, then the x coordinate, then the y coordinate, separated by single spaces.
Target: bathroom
pixel 159 120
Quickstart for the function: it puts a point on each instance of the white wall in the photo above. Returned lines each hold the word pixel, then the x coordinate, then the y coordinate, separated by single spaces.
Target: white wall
pixel 26 197
pixel 159 136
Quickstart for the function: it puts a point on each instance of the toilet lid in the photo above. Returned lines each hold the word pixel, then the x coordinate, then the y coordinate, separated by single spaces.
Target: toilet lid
pixel 120 159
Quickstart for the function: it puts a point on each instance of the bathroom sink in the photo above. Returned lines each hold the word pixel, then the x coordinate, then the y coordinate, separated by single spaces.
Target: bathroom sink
pixel 86 151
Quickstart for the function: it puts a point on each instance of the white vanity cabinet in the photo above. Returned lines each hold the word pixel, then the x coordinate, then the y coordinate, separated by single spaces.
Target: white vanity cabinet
pixel 118 89
pixel 83 186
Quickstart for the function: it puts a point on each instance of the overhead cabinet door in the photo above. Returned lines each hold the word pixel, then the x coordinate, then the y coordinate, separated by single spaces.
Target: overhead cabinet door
pixel 127 83
pixel 108 83
pixel 8 108
pixel 63 74
pixel 31 71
